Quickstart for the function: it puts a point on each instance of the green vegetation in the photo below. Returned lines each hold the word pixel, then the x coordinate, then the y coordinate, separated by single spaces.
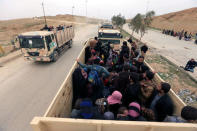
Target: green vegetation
pixel 154 28
pixel 172 70
pixel 124 33
pixel 140 23
pixel 118 20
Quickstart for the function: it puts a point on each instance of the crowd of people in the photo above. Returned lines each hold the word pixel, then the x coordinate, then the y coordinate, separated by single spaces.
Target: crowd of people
pixel 117 85
pixel 181 35
pixel 51 28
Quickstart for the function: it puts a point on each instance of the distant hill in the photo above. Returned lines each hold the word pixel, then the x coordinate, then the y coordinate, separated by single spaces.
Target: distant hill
pixel 185 19
pixel 9 29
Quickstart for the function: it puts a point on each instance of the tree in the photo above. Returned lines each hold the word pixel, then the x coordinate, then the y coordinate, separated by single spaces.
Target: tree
pixel 140 23
pixel 118 20
pixel 148 17
pixel 136 23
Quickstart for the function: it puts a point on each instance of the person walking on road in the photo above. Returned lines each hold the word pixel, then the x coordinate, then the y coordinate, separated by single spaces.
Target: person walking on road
pixel 196 38
pixel 181 35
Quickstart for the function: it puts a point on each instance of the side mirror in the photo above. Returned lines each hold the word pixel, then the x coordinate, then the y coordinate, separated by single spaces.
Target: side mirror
pixel 121 36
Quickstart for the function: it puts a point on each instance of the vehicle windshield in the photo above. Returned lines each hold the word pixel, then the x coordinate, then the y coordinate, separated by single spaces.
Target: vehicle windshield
pixel 109 35
pixel 111 41
pixel 107 26
pixel 31 42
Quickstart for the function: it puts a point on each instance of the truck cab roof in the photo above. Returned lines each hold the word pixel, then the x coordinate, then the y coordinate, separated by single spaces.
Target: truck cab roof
pixel 108 31
pixel 36 33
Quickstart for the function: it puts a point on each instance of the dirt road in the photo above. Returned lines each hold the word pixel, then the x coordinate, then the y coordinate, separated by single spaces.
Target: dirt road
pixel 27 88
pixel 177 51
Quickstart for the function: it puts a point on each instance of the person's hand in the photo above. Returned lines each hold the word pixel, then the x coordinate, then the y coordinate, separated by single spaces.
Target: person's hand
pixel 77 60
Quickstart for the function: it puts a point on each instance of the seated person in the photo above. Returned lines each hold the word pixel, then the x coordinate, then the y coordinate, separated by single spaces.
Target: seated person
pixel 147 93
pixel 132 91
pixel 148 114
pixel 147 76
pixel 134 112
pixel 162 104
pixel 114 102
pixel 191 64
pixel 122 114
pixel 76 109
pixel 87 111
pixel 108 115
pixel 188 114
pixel 139 63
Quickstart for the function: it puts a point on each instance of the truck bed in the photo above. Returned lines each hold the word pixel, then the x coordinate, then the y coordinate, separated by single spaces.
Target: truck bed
pixel 65 35
pixel 57 115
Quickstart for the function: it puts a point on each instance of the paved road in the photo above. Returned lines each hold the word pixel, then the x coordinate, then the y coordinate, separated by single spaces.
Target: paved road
pixel 27 88
pixel 177 51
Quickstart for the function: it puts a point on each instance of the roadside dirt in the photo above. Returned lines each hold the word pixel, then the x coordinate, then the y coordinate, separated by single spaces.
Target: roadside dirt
pixel 9 29
pixel 179 81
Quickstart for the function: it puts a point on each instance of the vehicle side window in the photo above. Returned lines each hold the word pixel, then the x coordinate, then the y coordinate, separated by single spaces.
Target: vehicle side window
pixel 48 41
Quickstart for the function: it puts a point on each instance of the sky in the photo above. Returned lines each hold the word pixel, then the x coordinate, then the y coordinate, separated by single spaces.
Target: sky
pixel 12 9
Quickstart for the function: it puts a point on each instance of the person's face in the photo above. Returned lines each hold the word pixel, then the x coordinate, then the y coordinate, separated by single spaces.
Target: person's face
pixel 84 74
pixel 125 59
pixel 159 88
pixel 126 112
pixel 140 60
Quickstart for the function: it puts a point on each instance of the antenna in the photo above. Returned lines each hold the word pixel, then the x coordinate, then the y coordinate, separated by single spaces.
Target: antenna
pixel 44 14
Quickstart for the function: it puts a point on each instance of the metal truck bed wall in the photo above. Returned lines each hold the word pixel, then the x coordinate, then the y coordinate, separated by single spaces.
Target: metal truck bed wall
pixel 65 35
pixel 57 118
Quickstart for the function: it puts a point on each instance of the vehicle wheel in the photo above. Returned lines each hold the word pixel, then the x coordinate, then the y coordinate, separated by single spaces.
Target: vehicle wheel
pixel 55 56
pixel 70 43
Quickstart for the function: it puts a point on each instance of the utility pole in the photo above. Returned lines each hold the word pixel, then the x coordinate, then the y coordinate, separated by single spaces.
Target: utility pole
pixel 44 14
pixel 73 10
pixel 148 1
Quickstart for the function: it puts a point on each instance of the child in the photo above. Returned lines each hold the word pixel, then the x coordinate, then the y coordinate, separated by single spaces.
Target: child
pixel 122 114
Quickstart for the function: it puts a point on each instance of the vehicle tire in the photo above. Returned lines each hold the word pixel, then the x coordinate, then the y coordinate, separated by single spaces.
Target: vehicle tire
pixel 70 44
pixel 55 56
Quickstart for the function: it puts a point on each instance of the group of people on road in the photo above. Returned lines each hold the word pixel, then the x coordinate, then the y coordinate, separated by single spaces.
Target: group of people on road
pixel 183 34
pixel 51 28
pixel 118 85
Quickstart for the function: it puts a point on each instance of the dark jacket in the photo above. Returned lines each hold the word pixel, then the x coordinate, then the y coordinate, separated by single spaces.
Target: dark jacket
pixel 191 64
pixel 164 107
pixel 131 94
pixel 123 118
pixel 139 118
pixel 114 108
pixel 95 114
pixel 79 85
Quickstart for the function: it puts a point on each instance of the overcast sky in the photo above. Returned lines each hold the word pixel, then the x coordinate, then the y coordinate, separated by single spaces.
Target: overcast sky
pixel 11 9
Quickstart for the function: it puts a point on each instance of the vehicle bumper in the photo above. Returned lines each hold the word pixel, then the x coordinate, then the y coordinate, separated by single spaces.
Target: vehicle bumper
pixel 40 58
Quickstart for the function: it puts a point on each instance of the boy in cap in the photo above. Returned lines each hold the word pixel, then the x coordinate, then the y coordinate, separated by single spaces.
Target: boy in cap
pixel 135 112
